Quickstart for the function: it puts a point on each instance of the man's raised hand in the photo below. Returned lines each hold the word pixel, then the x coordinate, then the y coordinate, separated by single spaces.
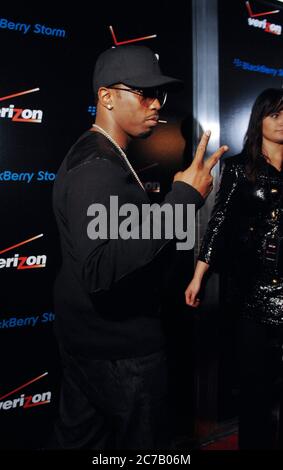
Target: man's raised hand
pixel 198 174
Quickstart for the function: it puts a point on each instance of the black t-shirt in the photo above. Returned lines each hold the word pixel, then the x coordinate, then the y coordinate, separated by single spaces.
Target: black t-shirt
pixel 107 297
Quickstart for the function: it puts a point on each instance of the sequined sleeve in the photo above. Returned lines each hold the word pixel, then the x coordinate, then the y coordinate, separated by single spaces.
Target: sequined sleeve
pixel 212 248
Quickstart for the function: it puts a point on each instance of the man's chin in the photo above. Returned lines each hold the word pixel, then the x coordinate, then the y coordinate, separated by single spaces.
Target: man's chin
pixel 145 134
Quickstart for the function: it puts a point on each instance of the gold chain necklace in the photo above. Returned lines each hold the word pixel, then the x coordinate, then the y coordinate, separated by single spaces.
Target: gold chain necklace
pixel 122 153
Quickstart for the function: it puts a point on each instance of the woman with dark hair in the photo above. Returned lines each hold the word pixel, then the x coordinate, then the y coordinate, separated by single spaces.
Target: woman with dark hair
pixel 245 233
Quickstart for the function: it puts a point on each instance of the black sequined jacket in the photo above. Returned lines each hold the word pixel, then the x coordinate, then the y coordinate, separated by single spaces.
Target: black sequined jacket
pixel 244 236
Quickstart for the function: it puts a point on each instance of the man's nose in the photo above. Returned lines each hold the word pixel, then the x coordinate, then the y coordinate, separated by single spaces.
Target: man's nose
pixel 155 104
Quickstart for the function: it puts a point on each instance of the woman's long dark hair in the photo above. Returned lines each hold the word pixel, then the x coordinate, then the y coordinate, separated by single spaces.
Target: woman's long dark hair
pixel 268 102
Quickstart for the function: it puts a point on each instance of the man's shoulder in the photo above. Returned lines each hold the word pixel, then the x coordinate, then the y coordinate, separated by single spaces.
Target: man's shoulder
pixel 90 148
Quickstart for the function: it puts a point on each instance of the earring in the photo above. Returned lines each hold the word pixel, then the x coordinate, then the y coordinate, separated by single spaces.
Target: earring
pixel 109 106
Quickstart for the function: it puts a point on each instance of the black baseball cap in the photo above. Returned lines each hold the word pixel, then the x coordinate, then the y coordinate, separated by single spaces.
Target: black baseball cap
pixel 135 66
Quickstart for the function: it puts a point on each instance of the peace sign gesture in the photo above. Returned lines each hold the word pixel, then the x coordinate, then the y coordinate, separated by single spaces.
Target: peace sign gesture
pixel 198 173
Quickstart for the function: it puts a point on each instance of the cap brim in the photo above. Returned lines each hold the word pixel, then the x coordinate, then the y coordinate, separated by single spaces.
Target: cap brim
pixel 155 81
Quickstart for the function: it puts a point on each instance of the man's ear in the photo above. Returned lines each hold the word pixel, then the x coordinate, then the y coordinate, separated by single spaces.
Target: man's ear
pixel 105 97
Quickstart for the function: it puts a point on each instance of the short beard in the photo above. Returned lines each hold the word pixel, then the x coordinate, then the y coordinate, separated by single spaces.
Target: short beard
pixel 145 134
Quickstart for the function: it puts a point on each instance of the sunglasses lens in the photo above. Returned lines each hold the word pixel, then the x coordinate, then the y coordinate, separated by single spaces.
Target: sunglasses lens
pixel 161 96
pixel 151 94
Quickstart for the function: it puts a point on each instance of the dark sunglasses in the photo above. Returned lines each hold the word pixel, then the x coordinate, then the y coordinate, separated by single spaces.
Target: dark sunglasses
pixel 148 95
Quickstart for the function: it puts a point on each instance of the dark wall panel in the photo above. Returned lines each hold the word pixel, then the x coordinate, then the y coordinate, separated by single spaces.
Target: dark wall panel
pixel 46 102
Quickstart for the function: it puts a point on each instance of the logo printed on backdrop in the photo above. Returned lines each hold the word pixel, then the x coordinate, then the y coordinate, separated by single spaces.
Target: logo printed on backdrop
pixel 260 68
pixel 128 41
pixel 27 177
pixel 23 262
pixel 92 110
pixel 32 116
pixel 32 320
pixel 25 401
pixel 25 28
pixel 253 15
pixel 150 186
pixel 263 24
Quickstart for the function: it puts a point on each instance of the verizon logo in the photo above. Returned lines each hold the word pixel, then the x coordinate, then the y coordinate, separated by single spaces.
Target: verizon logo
pixel 25 401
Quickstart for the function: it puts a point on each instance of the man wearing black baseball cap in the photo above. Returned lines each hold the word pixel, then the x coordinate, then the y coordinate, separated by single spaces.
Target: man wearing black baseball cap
pixel 107 301
pixel 135 66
